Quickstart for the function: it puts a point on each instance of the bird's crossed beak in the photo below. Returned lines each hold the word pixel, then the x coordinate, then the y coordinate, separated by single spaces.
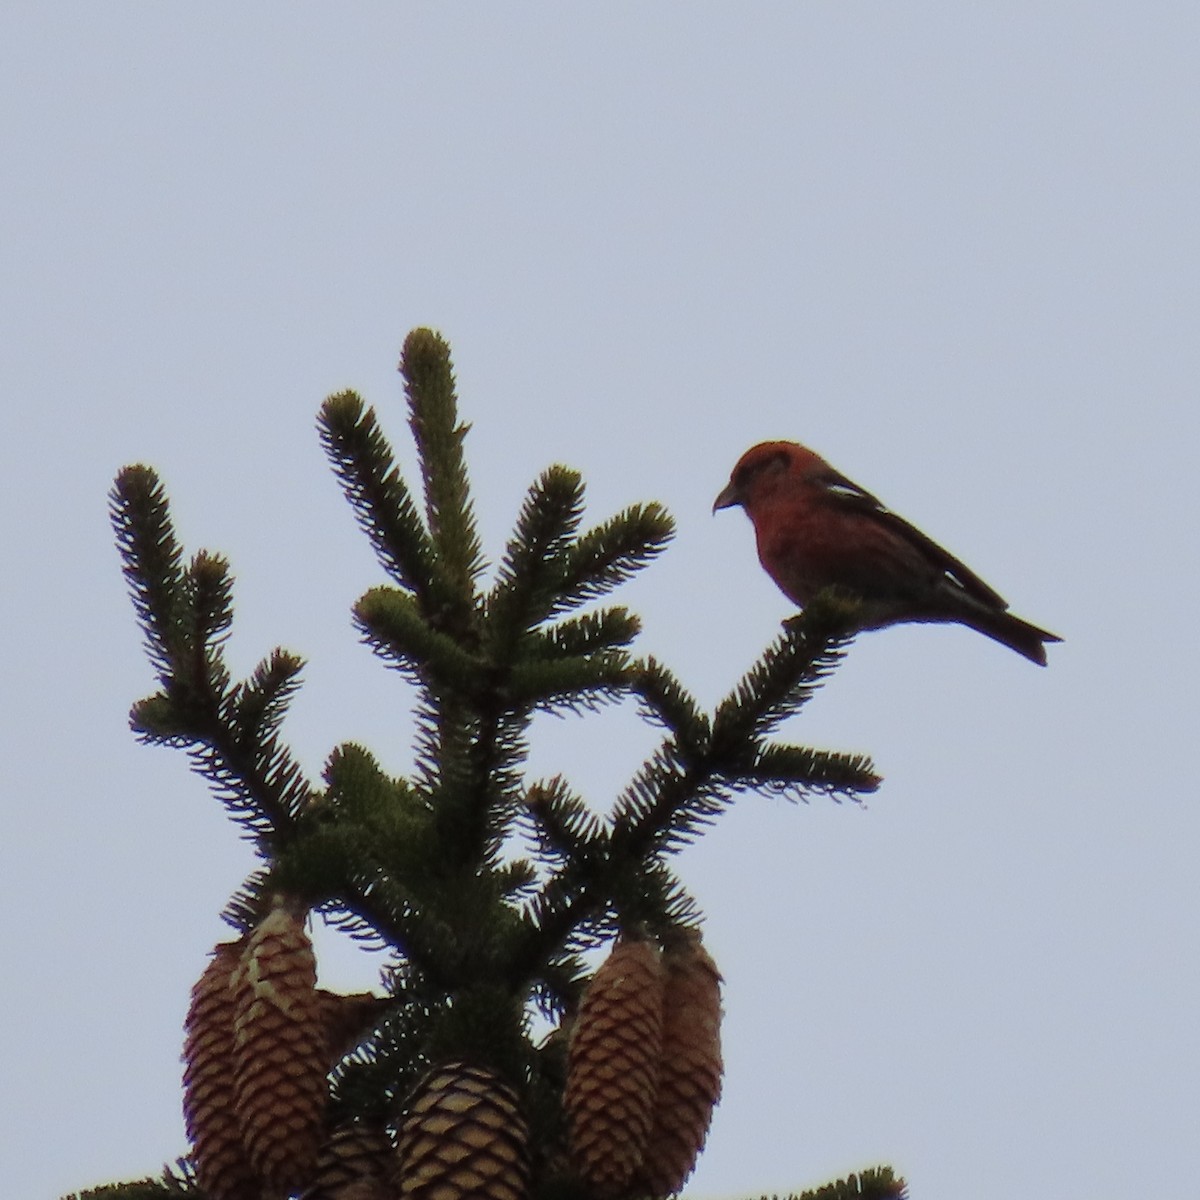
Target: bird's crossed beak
pixel 729 497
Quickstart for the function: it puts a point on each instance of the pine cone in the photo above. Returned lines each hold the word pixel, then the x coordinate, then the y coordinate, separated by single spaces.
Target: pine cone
pixel 463 1136
pixel 354 1164
pixel 281 1054
pixel 222 1166
pixel 690 1083
pixel 613 1067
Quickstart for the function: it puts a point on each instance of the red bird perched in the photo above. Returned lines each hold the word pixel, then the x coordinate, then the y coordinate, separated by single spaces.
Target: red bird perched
pixel 816 529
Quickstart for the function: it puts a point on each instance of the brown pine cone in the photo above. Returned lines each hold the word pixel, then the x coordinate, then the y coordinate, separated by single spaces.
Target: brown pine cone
pixel 354 1164
pixel 613 1066
pixel 690 1081
pixel 281 1053
pixel 222 1165
pixel 463 1135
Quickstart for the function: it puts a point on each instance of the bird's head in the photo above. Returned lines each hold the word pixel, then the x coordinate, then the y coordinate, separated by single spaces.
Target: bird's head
pixel 762 471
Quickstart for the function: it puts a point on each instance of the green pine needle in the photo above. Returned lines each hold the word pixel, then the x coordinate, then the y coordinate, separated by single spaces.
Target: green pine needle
pixel 801 770
pixel 365 464
pixel 669 704
pixel 152 563
pixel 607 556
pixel 569 684
pixel 527 584
pixel 562 824
pixel 788 675
pixel 393 625
pixel 875 1183
pixel 433 418
pixel 260 703
pixel 208 597
pixel 605 629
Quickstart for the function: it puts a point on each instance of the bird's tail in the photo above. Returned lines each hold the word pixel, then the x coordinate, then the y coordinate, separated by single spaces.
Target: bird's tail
pixel 1022 636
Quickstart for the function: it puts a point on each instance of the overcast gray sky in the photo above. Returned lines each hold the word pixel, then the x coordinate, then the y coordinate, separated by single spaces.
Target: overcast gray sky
pixel 952 247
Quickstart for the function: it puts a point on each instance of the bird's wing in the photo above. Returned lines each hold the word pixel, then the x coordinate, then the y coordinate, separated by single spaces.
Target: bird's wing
pixel 847 496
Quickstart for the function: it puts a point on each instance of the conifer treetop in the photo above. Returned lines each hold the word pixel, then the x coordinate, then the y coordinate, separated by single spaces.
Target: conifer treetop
pixel 483 885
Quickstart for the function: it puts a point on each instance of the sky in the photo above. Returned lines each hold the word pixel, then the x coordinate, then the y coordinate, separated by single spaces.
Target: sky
pixel 951 247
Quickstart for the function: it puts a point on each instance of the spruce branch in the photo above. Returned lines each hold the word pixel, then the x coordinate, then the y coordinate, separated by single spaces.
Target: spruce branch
pixel 208 597
pixel 666 702
pixel 575 684
pixel 177 1180
pixel 606 629
pixel 561 823
pixel 359 793
pixel 341 875
pixel 647 895
pixel 152 563
pixel 699 765
pixel 801 770
pixel 230 732
pixel 604 872
pixel 433 418
pixel 476 784
pixel 515 880
pixel 787 675
pixel 259 704
pixel 612 552
pixel 875 1183
pixel 369 1083
pixel 469 752
pixel 365 464
pixel 569 914
pixel 527 584
pixel 244 909
pixel 690 779
pixel 393 625
pixel 256 778
pixel 137 1189
pixel 667 804
pixel 559 985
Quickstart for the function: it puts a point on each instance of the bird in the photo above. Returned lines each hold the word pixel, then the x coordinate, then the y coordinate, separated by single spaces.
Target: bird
pixel 816 529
